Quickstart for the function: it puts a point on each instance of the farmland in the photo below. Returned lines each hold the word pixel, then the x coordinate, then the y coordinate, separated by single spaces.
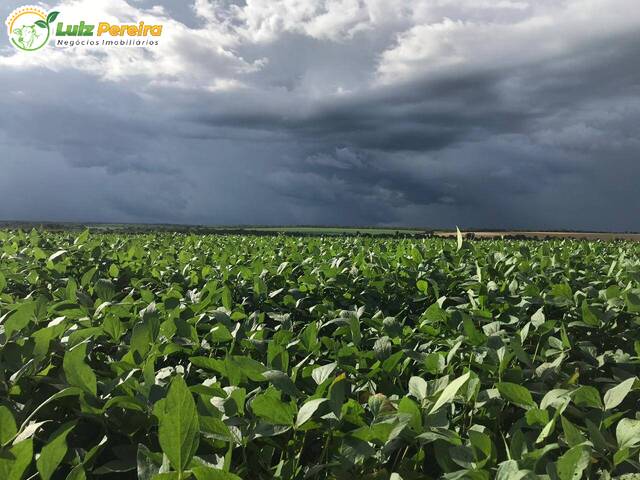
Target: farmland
pixel 175 356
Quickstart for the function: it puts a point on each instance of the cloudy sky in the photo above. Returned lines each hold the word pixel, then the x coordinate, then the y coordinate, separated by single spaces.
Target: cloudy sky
pixel 436 113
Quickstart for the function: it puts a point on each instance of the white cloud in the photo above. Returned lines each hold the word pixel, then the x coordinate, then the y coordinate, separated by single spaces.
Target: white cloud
pixel 549 30
pixel 432 38
pixel 264 20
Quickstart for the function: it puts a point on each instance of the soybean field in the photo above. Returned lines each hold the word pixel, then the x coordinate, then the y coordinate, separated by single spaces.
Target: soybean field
pixel 217 357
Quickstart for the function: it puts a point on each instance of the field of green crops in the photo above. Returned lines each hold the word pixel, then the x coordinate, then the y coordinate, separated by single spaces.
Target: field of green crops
pixel 176 356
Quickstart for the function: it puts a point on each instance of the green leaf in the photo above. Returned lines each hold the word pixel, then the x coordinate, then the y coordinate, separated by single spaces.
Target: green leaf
pixel 272 410
pixel 117 465
pixel 572 435
pixel 475 336
pixel 509 470
pixel 383 347
pixel 587 396
pixel 13 465
pixel 320 374
pixel 220 334
pixel 617 394
pixel 114 271
pixel 435 363
pixel 71 290
pixel 596 437
pixel 78 473
pixel 282 382
pixel 309 337
pixel 308 409
pixel 54 451
pixel 239 367
pixel 434 314
pixel 105 289
pixel 3 282
pixel 563 294
pixel 87 277
pixel 209 364
pixel 8 427
pixel 19 318
pixel 208 473
pixel 141 341
pixel 632 301
pixel 148 463
pixel 548 429
pixel 179 430
pixel 589 315
pixel 418 388
pixel 215 428
pixel 84 235
pixel 458 238
pixel 77 372
pixel 227 298
pixel 538 318
pixel 516 394
pixel 537 416
pixel 482 446
pixel 354 326
pixel 620 456
pixel 409 407
pixel 555 398
pixel 59 253
pixel 41 23
pixel 628 433
pixel 27 429
pixel 338 393
pixel 449 392
pixel 572 464
pixel 113 327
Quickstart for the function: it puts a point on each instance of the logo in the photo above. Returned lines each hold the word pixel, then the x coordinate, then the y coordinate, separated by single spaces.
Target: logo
pixel 29 28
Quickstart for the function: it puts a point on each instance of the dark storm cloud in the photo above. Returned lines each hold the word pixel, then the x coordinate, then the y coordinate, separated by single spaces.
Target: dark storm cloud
pixel 517 115
pixel 416 116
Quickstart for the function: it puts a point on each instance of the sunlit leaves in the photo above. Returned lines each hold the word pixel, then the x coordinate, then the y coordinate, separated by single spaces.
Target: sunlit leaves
pixel 516 394
pixel 320 374
pixel 572 463
pixel 272 409
pixel 15 459
pixel 178 425
pixel 628 433
pixel 8 427
pixel 308 409
pixel 77 372
pixel 54 451
pixel 450 391
pixel 18 319
pixel 616 395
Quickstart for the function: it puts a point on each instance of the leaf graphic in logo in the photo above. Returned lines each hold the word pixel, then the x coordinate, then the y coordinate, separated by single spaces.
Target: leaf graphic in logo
pixel 52 16
pixel 41 24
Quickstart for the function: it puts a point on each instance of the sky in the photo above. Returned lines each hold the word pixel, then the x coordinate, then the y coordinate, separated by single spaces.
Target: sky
pixel 518 114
